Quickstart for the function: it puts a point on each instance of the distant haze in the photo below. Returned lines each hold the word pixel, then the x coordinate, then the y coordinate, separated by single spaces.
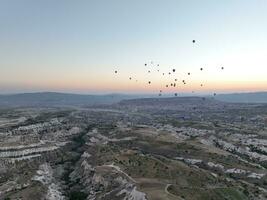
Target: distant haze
pixel 63 99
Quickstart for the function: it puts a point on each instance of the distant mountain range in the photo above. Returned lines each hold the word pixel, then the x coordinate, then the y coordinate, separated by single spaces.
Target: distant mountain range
pixel 64 99
pixel 255 97
pixel 58 99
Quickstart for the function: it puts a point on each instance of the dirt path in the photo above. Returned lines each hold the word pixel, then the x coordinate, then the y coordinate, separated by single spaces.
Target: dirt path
pixel 172 195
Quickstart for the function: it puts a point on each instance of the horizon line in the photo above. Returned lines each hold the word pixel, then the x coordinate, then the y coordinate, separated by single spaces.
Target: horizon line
pixel 130 94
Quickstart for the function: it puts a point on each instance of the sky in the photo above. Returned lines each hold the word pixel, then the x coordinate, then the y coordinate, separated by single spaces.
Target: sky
pixel 75 46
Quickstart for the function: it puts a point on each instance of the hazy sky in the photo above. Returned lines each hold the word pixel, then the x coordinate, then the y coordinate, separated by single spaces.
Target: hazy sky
pixel 75 46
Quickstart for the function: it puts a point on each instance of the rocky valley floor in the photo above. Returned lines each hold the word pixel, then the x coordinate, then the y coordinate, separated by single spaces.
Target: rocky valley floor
pixel 151 149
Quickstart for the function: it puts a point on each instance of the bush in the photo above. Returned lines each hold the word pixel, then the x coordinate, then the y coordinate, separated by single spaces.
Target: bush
pixel 76 195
